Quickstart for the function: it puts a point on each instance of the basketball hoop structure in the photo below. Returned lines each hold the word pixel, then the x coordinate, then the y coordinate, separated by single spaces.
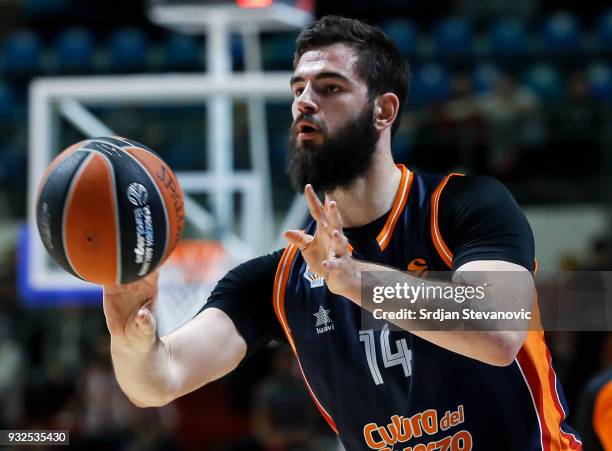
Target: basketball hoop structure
pixel 69 97
pixel 187 279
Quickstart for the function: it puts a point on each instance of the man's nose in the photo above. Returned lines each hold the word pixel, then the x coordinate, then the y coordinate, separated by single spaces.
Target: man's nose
pixel 306 101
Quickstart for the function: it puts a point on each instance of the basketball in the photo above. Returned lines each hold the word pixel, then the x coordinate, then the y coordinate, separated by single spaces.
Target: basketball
pixel 109 210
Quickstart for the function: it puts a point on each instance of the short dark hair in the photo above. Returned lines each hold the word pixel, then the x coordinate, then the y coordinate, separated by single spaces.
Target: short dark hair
pixel 381 64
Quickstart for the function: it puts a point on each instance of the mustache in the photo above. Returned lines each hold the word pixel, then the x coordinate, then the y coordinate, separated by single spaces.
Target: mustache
pixel 310 118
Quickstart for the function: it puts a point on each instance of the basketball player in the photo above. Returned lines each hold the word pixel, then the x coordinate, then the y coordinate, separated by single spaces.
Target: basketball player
pixel 406 389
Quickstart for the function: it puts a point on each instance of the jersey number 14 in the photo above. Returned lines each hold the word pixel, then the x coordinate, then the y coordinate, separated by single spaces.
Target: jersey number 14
pixel 402 357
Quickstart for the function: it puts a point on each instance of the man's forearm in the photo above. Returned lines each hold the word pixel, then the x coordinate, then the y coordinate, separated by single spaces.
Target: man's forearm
pixel 489 345
pixel 146 378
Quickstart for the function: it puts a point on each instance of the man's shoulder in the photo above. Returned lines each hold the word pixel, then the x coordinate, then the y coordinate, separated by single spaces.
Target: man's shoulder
pixel 476 188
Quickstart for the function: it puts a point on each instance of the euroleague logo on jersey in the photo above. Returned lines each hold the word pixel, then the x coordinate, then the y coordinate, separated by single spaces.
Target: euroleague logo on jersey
pixel 138 195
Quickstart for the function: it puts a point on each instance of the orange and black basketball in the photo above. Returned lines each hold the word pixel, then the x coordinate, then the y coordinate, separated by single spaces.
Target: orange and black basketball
pixel 109 210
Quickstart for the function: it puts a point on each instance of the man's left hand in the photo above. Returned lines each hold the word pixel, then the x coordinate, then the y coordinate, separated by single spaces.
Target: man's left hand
pixel 327 252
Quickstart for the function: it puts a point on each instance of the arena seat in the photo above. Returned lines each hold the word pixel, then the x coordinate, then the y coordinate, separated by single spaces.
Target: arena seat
pixel 22 52
pixel 484 76
pixel 600 81
pixel 237 50
pixel 431 83
pixel 13 164
pixel 453 37
pixel 277 51
pixel 403 33
pixel 42 7
pixel 127 50
pixel 604 32
pixel 181 52
pixel 561 33
pixel 507 37
pixel 545 80
pixel 7 100
pixel 74 49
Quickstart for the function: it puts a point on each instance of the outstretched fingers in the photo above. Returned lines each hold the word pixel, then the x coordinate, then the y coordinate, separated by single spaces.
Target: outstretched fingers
pixel 339 243
pixel 315 206
pixel 298 238
pixel 333 215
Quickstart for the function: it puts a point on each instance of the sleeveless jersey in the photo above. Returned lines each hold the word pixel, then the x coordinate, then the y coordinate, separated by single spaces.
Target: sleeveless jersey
pixel 386 389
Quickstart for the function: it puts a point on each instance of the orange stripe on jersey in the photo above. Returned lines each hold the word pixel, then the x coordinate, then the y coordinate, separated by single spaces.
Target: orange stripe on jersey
pixel 384 237
pixel 602 415
pixel 280 283
pixel 278 298
pixel 535 364
pixel 568 439
pixel 443 250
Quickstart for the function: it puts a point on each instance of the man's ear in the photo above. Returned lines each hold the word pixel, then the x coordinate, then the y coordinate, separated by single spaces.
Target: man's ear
pixel 386 109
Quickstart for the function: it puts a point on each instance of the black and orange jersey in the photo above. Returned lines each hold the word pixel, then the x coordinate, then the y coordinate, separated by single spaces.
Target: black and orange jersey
pixel 380 388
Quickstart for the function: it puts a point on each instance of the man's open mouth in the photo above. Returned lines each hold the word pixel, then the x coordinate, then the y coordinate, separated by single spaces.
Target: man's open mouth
pixel 306 130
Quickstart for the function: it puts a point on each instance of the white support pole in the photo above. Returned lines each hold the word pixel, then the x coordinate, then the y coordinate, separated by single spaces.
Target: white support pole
pixel 166 88
pixel 40 139
pixel 83 119
pixel 258 133
pixel 198 216
pixel 220 120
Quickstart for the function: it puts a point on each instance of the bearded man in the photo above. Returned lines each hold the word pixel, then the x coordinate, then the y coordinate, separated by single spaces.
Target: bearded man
pixel 410 386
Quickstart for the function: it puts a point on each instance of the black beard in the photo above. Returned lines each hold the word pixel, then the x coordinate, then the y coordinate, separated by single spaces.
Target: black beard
pixel 339 161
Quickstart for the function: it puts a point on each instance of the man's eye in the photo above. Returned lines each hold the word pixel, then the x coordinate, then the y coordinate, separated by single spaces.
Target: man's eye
pixel 298 92
pixel 333 89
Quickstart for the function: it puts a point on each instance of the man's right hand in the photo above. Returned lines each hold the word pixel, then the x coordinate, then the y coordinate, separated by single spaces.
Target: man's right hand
pixel 130 313
pixel 152 370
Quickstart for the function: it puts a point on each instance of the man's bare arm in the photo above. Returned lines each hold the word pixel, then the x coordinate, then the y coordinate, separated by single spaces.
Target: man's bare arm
pixel 504 285
pixel 153 371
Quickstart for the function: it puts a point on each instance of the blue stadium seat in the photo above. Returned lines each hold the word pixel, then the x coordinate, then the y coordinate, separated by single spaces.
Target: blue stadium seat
pixel 22 52
pixel 278 153
pixel 237 50
pixel 127 49
pixel 403 33
pixel 7 100
pixel 185 155
pixel 182 51
pixel 453 37
pixel 561 33
pixel 75 50
pixel 604 32
pixel 600 81
pixel 431 84
pixel 277 51
pixel 13 164
pixel 41 7
pixel 507 37
pixel 545 80
pixel 484 77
